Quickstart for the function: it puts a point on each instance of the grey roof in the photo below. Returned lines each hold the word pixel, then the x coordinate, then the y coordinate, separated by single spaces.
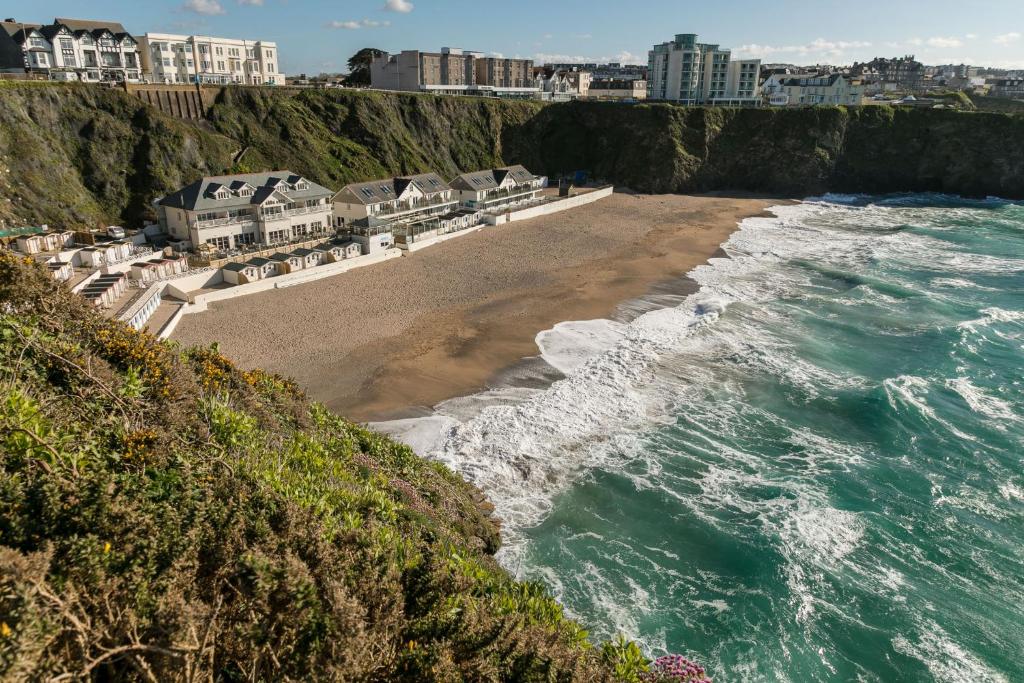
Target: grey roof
pixel 19 31
pixel 282 256
pixel 236 267
pixel 811 81
pixel 96 28
pixel 388 189
pixel 302 253
pixel 199 195
pixel 258 261
pixel 490 179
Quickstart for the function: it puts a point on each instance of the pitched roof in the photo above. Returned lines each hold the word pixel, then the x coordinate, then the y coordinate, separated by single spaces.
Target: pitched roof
pixel 388 189
pixel 18 30
pixel 199 195
pixel 236 267
pixel 92 26
pixel 490 179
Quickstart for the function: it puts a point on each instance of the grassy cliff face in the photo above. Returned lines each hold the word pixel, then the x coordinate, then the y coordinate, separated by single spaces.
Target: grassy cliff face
pixel 667 148
pixel 78 155
pixel 164 516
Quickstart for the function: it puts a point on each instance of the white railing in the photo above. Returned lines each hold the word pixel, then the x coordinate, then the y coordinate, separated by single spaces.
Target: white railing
pixel 228 220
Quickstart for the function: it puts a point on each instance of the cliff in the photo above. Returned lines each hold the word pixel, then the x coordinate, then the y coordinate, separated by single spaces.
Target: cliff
pixel 74 154
pixel 165 516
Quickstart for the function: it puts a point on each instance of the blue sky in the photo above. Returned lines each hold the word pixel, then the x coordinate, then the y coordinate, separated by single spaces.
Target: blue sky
pixel 320 35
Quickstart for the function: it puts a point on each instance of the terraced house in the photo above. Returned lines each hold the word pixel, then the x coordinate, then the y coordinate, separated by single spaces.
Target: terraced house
pixel 222 213
pixel 70 49
pixel 497 188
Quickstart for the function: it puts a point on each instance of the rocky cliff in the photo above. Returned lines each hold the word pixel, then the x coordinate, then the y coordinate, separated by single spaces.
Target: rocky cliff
pixel 73 154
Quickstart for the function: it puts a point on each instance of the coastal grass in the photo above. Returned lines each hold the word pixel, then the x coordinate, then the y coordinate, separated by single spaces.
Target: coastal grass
pixel 166 516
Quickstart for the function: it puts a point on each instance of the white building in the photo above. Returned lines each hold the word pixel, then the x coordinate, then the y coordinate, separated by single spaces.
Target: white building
pixel 689 72
pixel 231 212
pixel 498 188
pixel 618 89
pixel 782 90
pixel 454 71
pixel 71 50
pixel 172 58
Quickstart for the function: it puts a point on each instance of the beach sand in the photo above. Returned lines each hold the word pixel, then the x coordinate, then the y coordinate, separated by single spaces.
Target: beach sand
pixel 390 340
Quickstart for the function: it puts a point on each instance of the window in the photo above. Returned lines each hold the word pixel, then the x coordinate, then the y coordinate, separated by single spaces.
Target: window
pixel 204 49
pixel 42 60
pixel 220 52
pixel 270 55
pixel 36 42
pixel 367 192
pixel 167 61
pixel 220 243
pixel 190 63
pixel 250 54
pixel 222 194
pixel 206 66
pixel 277 236
pixel 299 230
pixel 220 66
pixel 270 67
pixel 316 226
pixel 209 216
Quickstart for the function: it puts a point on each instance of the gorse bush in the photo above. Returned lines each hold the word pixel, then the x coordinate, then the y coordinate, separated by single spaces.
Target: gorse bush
pixel 165 516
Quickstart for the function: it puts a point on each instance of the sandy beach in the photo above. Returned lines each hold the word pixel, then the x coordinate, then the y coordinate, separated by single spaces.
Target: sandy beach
pixel 393 339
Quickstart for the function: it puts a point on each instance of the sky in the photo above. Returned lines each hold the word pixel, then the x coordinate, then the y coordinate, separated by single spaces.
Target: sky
pixel 320 35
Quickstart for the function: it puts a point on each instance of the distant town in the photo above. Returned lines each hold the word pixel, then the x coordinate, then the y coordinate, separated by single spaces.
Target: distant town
pixel 683 70
pixel 224 236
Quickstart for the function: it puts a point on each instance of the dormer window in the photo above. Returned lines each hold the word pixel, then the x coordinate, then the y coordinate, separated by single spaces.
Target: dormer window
pixel 221 194
pixel 301 186
pixel 385 189
pixel 245 192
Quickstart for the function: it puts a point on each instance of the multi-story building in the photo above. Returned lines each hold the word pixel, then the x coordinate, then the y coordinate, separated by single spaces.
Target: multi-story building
pixel 70 49
pixel 618 89
pixel 559 85
pixel 611 71
pixel 235 211
pixel 1007 87
pixel 407 198
pixel 453 72
pixel 903 73
pixel 171 58
pixel 787 91
pixel 690 72
pixel 498 188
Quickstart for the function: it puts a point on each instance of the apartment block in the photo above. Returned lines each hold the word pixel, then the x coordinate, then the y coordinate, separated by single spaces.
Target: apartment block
pixel 618 89
pixel 788 91
pixel 70 50
pixel 453 71
pixel 172 58
pixel 690 72
pixel 223 213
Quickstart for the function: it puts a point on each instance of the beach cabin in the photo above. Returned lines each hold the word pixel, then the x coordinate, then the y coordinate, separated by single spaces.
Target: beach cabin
pixel 286 263
pixel 92 257
pixel 146 271
pixel 240 273
pixel 119 251
pixel 61 271
pixel 311 258
pixel 265 266
pixel 30 244
pixel 105 290
pixel 175 266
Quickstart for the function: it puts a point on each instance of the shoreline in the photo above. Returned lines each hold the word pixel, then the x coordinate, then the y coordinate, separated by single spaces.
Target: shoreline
pixel 392 340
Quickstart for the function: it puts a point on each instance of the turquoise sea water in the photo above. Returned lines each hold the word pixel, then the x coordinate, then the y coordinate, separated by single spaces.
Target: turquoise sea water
pixel 810 470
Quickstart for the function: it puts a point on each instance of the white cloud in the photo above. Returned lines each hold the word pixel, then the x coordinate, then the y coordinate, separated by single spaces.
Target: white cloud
pixel 356 25
pixel 207 7
pixel 941 42
pixel 1006 38
pixel 254 3
pixel 971 36
pixel 498 55
pixel 547 36
pixel 400 6
pixel 819 47
pixel 624 57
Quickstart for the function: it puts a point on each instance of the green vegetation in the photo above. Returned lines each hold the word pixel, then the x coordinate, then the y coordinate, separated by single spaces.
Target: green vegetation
pixel 1003 105
pixel 77 155
pixel 166 516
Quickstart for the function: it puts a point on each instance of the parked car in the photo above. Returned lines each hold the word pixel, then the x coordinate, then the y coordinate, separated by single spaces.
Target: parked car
pixel 115 232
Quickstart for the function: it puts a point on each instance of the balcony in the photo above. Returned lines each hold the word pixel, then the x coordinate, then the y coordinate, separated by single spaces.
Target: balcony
pixel 415 206
pixel 227 220
pixel 506 195
pixel 300 211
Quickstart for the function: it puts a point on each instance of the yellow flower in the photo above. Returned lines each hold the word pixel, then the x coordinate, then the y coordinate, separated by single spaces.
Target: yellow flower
pixel 5 630
pixel 106 547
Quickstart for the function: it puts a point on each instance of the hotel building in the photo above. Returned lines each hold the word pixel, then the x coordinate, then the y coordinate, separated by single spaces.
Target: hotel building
pixel 498 188
pixel 454 72
pixel 232 212
pixel 171 58
pixel 689 72
pixel 70 50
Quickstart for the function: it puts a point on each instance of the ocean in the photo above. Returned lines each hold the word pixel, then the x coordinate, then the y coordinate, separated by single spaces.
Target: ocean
pixel 808 470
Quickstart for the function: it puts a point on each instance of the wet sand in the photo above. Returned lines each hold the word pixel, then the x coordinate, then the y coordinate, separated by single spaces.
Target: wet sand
pixel 392 339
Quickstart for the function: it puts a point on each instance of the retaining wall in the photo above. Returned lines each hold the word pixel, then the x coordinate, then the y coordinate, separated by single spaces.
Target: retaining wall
pixel 555 206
